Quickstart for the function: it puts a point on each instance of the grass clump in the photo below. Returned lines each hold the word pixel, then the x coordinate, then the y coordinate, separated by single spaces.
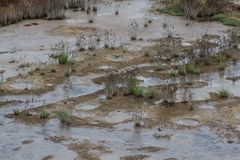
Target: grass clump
pixel 203 10
pixel 173 73
pixel 189 68
pixel 221 66
pixel 150 93
pixel 172 11
pixel 44 115
pixel 63 58
pixel 132 83
pixel 227 20
pixel 134 88
pixel 223 93
pixel 137 91
pixel 64 118
pixel 146 54
pixel 221 58
pixel 159 67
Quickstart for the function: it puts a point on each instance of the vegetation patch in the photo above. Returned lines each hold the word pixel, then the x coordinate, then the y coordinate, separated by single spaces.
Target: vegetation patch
pixel 44 115
pixel 227 20
pixel 189 68
pixel 172 11
pixel 64 118
pixel 202 10
pixel 223 93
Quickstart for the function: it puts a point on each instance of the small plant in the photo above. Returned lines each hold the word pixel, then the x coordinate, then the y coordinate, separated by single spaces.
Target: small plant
pixel 91 17
pixel 44 115
pixel 137 116
pixel 81 41
pixel 133 30
pixel 182 70
pixel 223 93
pixel 111 87
pixel 221 58
pixel 169 94
pixel 167 47
pixel 146 54
pixel 63 58
pixel 94 9
pixel 174 73
pixel 62 52
pixel 109 39
pixel 53 70
pixel 150 93
pixel 221 66
pixel 147 20
pixel 137 91
pixel 189 68
pixel 132 84
pixel 206 49
pixel 159 67
pixel 16 112
pixel 134 88
pixel 64 118
pixel 145 25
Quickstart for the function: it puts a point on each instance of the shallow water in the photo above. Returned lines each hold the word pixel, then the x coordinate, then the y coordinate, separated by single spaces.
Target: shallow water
pixel 75 87
pixel 21 85
pixel 214 81
pixel 200 144
pixel 187 122
pixel 183 144
pixel 33 45
pixel 86 106
pixel 207 105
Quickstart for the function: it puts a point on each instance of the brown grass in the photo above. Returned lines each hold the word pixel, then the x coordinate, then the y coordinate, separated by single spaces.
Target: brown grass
pixel 12 11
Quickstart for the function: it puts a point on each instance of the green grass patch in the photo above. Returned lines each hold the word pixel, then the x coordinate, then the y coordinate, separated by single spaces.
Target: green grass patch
pixel 221 66
pixel 150 93
pixel 64 118
pixel 221 58
pixel 174 73
pixel 159 67
pixel 44 115
pixel 189 68
pixel 223 93
pixel 63 58
pixel 227 20
pixel 137 91
pixel 172 11
pixel 221 17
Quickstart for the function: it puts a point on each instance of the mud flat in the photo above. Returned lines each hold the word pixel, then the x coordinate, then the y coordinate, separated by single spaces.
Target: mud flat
pixel 115 98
